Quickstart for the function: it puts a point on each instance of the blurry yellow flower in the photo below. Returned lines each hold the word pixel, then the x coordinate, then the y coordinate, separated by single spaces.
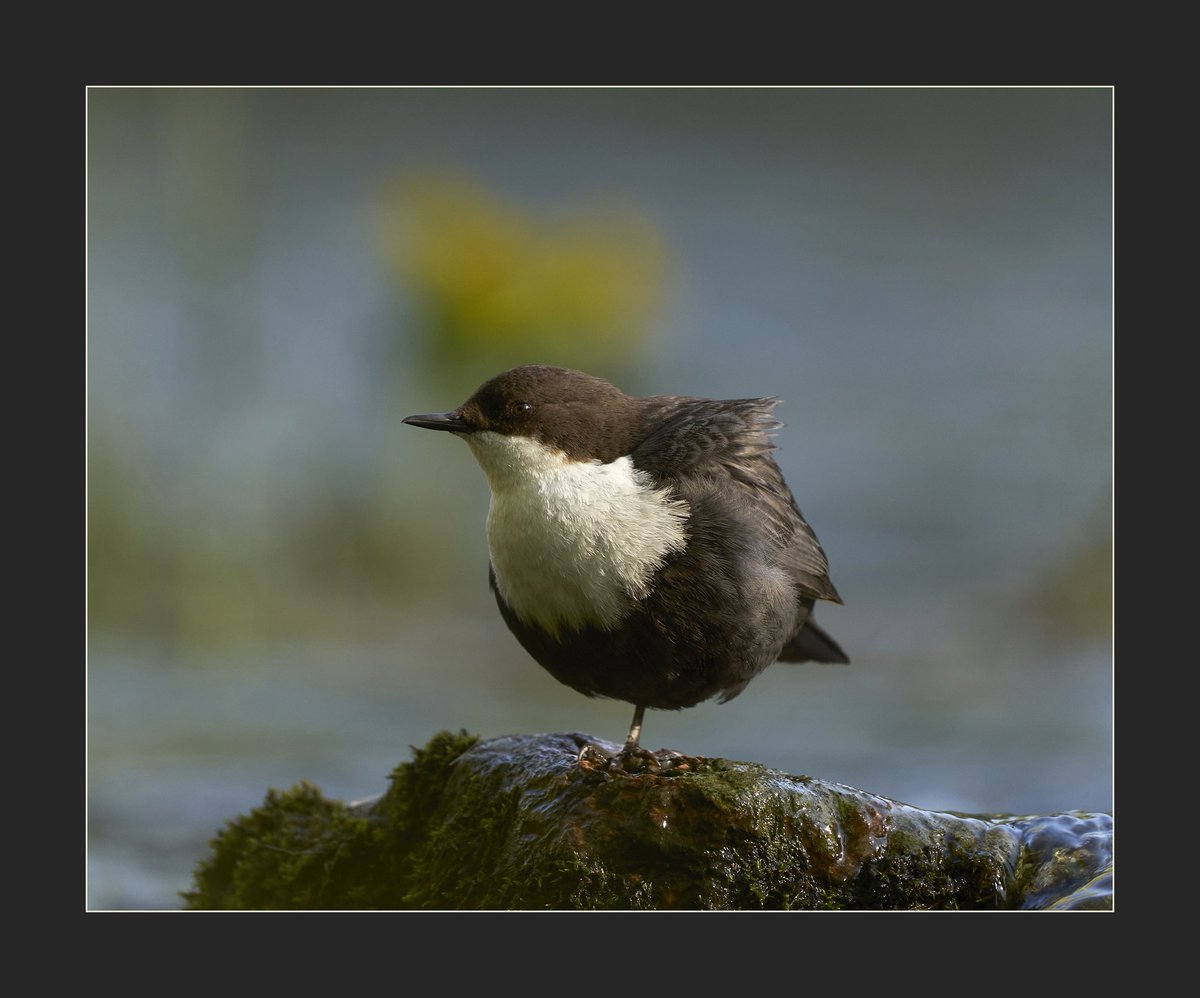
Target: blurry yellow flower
pixel 575 288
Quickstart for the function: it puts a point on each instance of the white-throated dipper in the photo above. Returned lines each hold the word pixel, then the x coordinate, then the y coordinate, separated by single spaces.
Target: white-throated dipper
pixel 643 549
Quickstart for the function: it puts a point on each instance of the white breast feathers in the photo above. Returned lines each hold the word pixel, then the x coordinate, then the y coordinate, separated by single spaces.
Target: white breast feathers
pixel 571 542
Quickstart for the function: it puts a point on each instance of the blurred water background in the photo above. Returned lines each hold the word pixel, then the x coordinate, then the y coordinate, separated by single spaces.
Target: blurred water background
pixel 285 583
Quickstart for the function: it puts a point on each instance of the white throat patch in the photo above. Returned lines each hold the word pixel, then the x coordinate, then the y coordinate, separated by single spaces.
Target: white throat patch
pixel 572 541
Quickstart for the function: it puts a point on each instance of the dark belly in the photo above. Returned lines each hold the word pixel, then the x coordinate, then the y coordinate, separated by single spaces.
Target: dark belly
pixel 669 652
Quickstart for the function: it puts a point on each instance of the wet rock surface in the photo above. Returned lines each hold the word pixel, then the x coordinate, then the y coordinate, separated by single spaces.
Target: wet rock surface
pixel 526 822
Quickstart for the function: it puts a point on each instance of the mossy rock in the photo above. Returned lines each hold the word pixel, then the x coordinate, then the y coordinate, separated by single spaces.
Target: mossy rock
pixel 519 823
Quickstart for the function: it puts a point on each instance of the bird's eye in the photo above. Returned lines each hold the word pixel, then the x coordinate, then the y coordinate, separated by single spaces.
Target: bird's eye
pixel 520 408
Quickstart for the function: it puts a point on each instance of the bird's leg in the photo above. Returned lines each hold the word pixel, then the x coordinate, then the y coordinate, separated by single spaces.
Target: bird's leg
pixel 635 729
pixel 635 759
pixel 632 758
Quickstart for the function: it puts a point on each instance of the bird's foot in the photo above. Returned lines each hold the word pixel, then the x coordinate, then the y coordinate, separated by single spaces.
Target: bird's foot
pixel 639 760
pixel 630 759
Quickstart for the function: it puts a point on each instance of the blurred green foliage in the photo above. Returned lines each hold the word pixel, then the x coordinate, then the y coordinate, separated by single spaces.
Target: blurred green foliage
pixel 495 285
pixel 1074 599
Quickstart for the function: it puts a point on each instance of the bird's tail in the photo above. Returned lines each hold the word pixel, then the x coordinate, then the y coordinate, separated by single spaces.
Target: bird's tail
pixel 812 644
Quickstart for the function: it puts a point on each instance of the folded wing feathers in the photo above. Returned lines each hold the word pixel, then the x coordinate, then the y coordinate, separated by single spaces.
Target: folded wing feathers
pixel 735 435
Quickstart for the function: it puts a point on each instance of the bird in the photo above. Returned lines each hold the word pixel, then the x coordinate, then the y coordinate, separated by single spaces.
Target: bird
pixel 644 549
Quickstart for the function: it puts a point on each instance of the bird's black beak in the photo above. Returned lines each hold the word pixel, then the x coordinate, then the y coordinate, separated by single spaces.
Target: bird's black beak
pixel 441 421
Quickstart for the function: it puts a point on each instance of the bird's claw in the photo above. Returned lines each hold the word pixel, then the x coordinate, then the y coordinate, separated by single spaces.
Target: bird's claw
pixel 630 759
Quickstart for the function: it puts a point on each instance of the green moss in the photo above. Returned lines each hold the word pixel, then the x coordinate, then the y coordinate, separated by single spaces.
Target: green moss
pixel 518 823
pixel 300 850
